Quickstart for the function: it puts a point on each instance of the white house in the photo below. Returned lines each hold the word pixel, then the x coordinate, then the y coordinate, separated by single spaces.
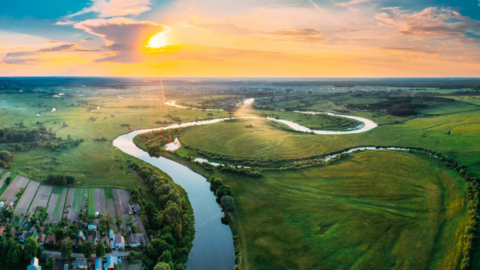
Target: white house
pixel 119 242
pixel 34 265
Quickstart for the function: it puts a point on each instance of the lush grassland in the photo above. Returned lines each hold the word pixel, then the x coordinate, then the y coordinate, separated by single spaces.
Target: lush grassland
pixel 91 202
pixel 373 210
pixel 316 121
pixel 428 132
pixel 108 193
pixel 93 163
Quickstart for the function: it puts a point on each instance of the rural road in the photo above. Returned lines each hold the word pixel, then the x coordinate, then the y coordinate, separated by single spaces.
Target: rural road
pixel 79 255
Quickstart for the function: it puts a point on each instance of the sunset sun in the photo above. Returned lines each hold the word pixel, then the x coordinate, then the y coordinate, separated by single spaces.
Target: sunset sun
pixel 159 40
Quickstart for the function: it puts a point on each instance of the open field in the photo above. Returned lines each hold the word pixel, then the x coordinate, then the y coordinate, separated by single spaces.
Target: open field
pixel 79 199
pixel 67 212
pixel 121 198
pixel 23 204
pixel 41 199
pixel 364 212
pixel 18 183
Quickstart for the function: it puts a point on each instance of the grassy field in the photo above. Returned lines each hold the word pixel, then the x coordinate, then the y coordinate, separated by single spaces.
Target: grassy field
pixel 91 202
pixel 428 132
pixel 108 193
pixel 373 210
pixel 80 195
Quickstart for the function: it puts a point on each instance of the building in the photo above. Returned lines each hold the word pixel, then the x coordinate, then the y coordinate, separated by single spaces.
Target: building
pixel 41 241
pixel 111 234
pixel 134 241
pixel 50 240
pixel 119 242
pixel 98 264
pixel 111 262
pixel 136 209
pixel 34 265
pixel 92 227
pixel 23 237
pixel 2 230
pixel 80 263
pixel 106 241
pixel 80 238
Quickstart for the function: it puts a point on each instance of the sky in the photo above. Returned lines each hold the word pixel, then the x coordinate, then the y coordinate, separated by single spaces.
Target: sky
pixel 248 38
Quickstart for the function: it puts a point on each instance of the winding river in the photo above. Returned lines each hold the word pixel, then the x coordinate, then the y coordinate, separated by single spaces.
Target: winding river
pixel 213 247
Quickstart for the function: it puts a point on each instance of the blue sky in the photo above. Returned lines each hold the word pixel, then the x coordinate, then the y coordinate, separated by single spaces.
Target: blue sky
pixel 365 34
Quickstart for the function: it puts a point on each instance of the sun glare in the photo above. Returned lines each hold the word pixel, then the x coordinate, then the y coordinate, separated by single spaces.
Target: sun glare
pixel 159 40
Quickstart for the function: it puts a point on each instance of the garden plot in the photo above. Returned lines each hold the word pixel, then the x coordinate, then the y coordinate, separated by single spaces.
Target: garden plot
pixel 121 198
pixel 68 206
pixel 111 209
pixel 79 200
pixel 51 206
pixel 100 206
pixel 41 199
pixel 26 199
pixel 56 203
pixel 18 183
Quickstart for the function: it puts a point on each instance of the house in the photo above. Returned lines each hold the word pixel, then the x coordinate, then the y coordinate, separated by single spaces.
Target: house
pixel 10 206
pixel 111 234
pixel 98 264
pixel 136 209
pixel 92 227
pixel 34 265
pixel 23 237
pixel 2 230
pixel 129 231
pixel 130 209
pixel 80 263
pixel 134 241
pixel 119 242
pixel 41 241
pixel 111 262
pixel 32 230
pixel 106 241
pixel 80 238
pixel 34 235
pixel 50 240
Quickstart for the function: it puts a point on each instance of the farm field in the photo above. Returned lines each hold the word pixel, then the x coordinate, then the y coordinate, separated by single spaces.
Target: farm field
pixel 79 200
pixel 121 199
pixel 41 199
pixel 56 203
pixel 100 207
pixel 346 214
pixel 18 183
pixel 3 177
pixel 23 205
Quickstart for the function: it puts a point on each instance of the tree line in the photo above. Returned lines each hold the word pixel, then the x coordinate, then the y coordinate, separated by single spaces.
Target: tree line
pixel 60 180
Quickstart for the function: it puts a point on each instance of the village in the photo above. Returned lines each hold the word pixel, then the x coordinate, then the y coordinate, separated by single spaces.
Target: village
pixel 51 214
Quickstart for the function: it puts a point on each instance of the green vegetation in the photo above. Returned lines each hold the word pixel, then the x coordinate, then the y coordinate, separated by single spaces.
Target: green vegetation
pixel 108 193
pixel 348 213
pixel 58 191
pixel 91 203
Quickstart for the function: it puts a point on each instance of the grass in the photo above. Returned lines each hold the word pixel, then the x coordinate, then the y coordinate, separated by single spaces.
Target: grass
pixel 91 202
pixel 108 193
pixel 5 186
pixel 373 210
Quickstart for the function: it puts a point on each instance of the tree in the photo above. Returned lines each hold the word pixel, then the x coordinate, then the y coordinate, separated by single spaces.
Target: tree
pixel 66 248
pixel 87 249
pixel 224 191
pixel 8 180
pixel 70 180
pixel 30 248
pixel 60 233
pixel 162 266
pixel 228 203
pixel 100 250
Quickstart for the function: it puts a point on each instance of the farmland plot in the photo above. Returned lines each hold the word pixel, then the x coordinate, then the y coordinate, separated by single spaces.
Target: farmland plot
pixel 3 178
pixel 26 199
pixel 79 200
pixel 41 199
pixel 18 183
pixel 100 206
pixel 68 206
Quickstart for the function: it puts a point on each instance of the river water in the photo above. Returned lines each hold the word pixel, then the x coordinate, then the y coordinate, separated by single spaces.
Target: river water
pixel 213 247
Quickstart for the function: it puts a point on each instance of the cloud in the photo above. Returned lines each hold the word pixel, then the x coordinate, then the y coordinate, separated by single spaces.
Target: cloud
pixel 430 22
pixel 19 57
pixel 308 35
pixel 351 3
pixel 66 22
pixel 125 37
pixel 121 31
pixel 411 49
pixel 87 39
pixel 114 8
pixel 53 42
